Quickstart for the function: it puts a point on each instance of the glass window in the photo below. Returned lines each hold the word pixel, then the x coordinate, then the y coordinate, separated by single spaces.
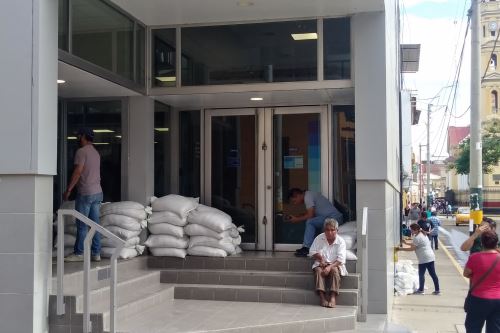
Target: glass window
pixel 162 150
pixel 337 48
pixel 189 153
pixel 103 36
pixel 140 56
pixel 104 117
pixel 249 53
pixel 63 25
pixel 164 73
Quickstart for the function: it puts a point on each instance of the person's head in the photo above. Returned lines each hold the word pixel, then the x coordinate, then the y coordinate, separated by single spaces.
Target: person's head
pixel 415 228
pixel 85 135
pixel 423 215
pixel 330 228
pixel 434 213
pixel 492 224
pixel 296 196
pixel 489 240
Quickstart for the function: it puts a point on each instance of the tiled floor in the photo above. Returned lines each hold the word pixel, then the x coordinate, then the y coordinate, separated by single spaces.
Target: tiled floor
pixel 199 316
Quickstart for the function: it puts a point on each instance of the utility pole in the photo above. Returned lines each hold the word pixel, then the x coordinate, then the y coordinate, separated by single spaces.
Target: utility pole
pixel 429 200
pixel 476 152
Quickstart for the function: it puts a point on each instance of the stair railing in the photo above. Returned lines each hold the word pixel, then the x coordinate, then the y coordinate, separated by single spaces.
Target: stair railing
pixel 119 244
pixel 363 262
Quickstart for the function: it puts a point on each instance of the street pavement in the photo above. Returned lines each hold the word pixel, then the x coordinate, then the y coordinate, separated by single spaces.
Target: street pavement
pixel 429 313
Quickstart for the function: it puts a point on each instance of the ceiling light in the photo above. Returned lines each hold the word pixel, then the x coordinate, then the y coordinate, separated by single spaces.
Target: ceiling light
pixel 61 81
pixel 305 36
pixel 72 138
pixel 103 131
pixel 101 143
pixel 118 136
pixel 256 99
pixel 245 3
pixel 162 129
pixel 166 78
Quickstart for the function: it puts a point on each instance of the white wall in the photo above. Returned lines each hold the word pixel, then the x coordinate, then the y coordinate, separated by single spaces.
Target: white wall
pixel 406 133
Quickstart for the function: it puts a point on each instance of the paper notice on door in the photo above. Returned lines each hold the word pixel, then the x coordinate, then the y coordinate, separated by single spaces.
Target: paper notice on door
pixel 293 162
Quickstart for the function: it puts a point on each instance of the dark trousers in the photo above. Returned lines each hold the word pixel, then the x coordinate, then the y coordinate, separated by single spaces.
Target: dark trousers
pixel 432 272
pixel 434 241
pixel 483 310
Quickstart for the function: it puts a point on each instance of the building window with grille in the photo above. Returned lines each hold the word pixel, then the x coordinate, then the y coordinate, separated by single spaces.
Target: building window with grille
pixel 494 101
pixel 493 62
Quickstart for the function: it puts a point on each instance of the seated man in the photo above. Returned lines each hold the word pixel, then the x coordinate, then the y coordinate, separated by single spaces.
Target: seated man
pixel 329 252
pixel 318 209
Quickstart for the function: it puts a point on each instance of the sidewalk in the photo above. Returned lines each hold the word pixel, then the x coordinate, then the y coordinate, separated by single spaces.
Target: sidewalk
pixel 434 314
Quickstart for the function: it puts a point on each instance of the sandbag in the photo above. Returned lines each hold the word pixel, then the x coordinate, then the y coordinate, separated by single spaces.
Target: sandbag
pixel 127 208
pixel 175 203
pixel 211 218
pixel 71 229
pixel 166 229
pixel 236 240
pixel 106 242
pixel 199 230
pixel 166 241
pixel 168 252
pixel 206 251
pixel 225 244
pixel 69 241
pixel 351 255
pixel 120 205
pixel 122 221
pixel 125 253
pixel 122 233
pixel 350 240
pixel 348 227
pixel 167 217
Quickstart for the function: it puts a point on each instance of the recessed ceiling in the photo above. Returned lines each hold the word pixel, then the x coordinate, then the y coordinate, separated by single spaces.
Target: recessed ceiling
pixel 82 84
pixel 171 12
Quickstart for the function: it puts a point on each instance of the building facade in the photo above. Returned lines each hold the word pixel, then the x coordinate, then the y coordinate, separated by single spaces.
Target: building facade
pixel 233 103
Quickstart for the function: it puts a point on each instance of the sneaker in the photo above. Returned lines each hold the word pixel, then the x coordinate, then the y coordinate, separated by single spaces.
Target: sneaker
pixel 303 252
pixel 418 292
pixel 74 258
pixel 96 258
pixel 437 293
pixel 301 249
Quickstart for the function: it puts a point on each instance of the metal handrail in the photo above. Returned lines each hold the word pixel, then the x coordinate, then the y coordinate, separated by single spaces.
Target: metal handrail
pixel 363 257
pixel 117 241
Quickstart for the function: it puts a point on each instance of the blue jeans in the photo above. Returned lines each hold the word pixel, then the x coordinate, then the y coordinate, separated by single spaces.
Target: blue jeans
pixel 316 224
pixel 88 205
pixel 432 272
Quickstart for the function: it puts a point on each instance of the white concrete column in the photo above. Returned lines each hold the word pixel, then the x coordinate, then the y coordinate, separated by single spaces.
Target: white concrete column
pixel 28 131
pixel 376 112
pixel 140 166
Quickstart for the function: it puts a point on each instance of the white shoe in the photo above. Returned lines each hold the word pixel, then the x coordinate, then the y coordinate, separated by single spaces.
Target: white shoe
pixel 74 258
pixel 96 258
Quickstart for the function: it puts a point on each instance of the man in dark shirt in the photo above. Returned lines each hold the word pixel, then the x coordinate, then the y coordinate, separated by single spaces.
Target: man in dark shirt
pixel 424 224
pixel 473 243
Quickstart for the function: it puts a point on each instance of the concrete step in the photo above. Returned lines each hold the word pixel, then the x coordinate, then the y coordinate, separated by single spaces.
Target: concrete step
pixel 250 278
pixel 282 262
pixel 219 316
pixel 234 293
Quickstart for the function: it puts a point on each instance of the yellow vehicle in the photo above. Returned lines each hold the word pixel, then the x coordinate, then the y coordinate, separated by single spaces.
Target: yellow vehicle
pixel 462 215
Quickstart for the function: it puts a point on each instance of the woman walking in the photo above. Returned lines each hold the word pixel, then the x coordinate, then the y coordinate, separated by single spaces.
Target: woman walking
pixel 483 270
pixel 425 256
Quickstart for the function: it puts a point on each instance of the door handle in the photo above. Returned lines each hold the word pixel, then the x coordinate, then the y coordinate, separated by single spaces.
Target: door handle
pixel 269 187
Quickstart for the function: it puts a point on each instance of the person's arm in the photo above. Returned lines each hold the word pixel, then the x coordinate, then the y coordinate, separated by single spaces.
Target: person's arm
pixel 77 172
pixel 467 272
pixel 467 245
pixel 306 216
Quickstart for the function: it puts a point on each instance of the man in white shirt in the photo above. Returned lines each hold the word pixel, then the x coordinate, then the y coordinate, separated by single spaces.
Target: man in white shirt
pixel 329 252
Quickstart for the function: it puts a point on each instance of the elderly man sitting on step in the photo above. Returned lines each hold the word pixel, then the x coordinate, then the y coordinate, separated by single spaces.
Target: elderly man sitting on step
pixel 329 252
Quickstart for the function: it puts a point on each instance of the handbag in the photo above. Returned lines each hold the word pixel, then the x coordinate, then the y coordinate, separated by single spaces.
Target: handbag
pixel 468 299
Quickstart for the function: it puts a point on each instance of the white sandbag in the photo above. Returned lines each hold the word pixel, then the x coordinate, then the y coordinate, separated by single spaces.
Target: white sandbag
pixel 199 230
pixel 350 240
pixel 348 227
pixel 138 214
pixel 122 233
pixel 225 244
pixel 166 241
pixel 168 252
pixel 125 253
pixel 237 250
pixel 206 251
pixel 236 240
pixel 351 255
pixel 211 218
pixel 106 242
pixel 69 241
pixel 166 229
pixel 122 221
pixel 71 229
pixel 175 203
pixel 167 217
pixel 107 206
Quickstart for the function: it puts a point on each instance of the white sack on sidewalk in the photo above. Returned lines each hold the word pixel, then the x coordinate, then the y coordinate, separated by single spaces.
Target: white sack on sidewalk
pixel 199 230
pixel 168 252
pixel 106 242
pixel 122 221
pixel 166 241
pixel 211 218
pixel 350 240
pixel 175 203
pixel 225 244
pixel 348 227
pixel 167 217
pixel 206 251
pixel 125 253
pixel 123 233
pixel 166 229
pixel 351 255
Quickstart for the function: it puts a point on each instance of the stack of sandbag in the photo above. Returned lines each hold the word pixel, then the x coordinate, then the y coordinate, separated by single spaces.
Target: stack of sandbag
pixel 69 230
pixel 406 278
pixel 125 219
pixel 212 233
pixel 348 232
pixel 166 225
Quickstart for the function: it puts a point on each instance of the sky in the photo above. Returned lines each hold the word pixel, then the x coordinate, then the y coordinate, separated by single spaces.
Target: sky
pixel 439 26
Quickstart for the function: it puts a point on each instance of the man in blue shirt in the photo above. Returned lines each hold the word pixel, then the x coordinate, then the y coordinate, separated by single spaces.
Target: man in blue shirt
pixel 318 208
pixel 434 233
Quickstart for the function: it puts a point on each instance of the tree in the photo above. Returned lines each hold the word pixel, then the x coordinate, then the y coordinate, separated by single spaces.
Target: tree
pixel 491 150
